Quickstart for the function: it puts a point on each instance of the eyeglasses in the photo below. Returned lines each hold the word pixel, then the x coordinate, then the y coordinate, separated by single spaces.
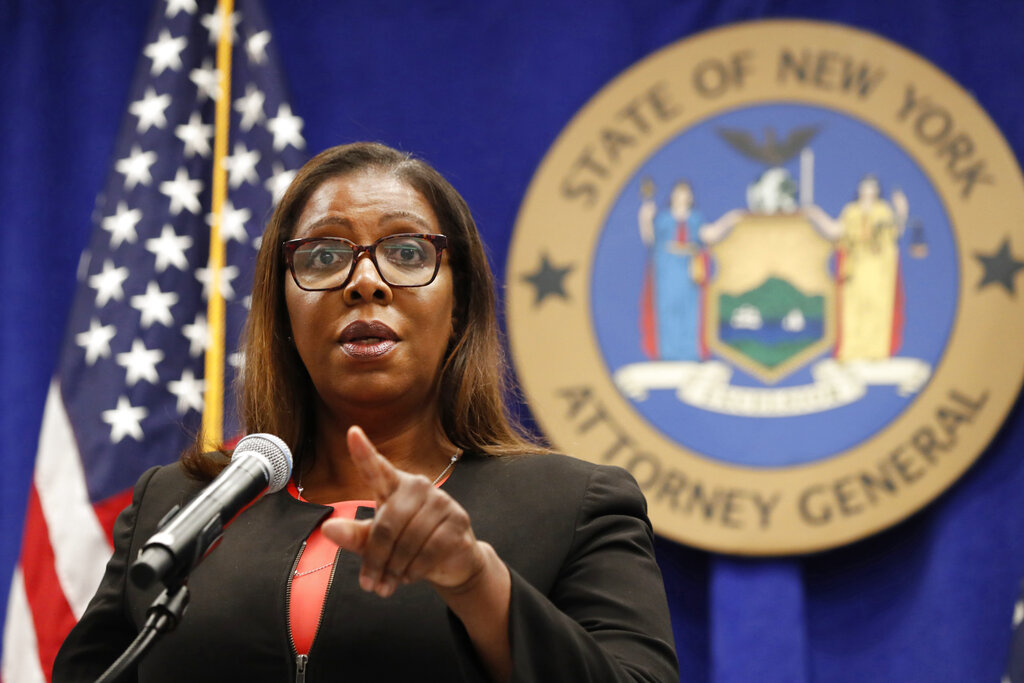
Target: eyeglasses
pixel 404 260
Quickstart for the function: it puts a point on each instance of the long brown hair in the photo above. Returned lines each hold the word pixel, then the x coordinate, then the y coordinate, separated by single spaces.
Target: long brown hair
pixel 275 394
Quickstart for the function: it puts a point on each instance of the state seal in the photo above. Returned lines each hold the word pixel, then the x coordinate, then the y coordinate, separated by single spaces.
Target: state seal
pixel 771 270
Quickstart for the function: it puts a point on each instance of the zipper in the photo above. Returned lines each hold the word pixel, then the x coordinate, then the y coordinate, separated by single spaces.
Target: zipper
pixel 302 661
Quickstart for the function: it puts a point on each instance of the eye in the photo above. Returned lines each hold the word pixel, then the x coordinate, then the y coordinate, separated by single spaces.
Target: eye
pixel 324 255
pixel 407 252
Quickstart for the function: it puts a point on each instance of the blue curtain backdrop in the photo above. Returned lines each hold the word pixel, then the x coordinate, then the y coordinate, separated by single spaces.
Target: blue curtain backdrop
pixel 481 90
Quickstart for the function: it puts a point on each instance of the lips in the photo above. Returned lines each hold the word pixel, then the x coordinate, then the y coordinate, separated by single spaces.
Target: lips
pixel 362 339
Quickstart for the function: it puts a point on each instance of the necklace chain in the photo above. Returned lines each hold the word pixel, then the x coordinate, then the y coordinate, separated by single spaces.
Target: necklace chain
pixel 314 571
pixel 446 470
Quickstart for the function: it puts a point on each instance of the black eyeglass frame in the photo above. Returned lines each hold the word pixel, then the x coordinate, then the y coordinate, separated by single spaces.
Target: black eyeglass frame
pixel 439 242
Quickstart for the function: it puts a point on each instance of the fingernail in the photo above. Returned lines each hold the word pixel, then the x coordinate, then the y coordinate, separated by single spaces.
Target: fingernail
pixel 365 582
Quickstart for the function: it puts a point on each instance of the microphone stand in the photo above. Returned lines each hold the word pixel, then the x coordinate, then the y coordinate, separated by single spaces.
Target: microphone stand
pixel 161 617
pixel 185 536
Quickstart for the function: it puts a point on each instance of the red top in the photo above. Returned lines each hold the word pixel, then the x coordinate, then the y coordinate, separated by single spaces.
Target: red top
pixel 310 590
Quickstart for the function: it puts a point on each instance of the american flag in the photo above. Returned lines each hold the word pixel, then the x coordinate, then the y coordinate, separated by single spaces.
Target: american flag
pixel 130 389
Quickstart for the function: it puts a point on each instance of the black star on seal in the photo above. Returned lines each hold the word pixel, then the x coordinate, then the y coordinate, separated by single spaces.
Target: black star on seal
pixel 999 267
pixel 548 280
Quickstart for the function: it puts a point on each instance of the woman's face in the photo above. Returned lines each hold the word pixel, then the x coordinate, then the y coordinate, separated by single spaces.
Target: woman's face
pixel 370 344
pixel 681 200
pixel 867 189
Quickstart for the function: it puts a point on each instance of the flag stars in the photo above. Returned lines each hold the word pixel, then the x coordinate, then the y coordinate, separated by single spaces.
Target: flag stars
pixel 150 110
pixel 121 225
pixel 155 306
pixel 241 166
pixel 207 81
pixel 165 53
pixel 135 167
pixel 232 222
pixel 226 275
pixel 198 335
pixel 125 420
pixel 250 106
pixel 286 129
pixel 183 192
pixel 96 341
pixel 170 327
pixel 140 363
pixel 214 23
pixel 256 47
pixel 109 283
pixel 196 135
pixel 279 182
pixel 189 392
pixel 176 6
pixel 169 249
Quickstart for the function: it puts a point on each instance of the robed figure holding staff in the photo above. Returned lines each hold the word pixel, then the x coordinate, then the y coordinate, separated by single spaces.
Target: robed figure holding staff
pixel 671 306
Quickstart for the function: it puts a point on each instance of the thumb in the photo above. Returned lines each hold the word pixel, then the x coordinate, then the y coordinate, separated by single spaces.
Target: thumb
pixel 350 534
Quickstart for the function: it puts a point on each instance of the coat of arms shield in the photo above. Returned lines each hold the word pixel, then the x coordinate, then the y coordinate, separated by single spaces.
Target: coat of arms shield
pixel 771 302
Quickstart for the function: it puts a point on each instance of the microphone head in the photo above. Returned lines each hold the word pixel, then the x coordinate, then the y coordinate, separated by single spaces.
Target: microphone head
pixel 273 453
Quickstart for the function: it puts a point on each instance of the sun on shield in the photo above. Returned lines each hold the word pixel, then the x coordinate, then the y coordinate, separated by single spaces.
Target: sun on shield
pixel 771 304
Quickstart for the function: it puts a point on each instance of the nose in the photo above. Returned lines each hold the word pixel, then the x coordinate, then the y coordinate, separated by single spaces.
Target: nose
pixel 366 284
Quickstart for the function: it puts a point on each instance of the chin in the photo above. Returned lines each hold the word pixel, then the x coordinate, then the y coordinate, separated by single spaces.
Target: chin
pixel 369 391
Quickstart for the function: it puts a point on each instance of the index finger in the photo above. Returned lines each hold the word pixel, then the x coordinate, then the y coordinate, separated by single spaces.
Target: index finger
pixel 373 467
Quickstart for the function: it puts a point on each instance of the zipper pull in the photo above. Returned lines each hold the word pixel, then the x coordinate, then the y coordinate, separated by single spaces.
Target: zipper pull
pixel 300 668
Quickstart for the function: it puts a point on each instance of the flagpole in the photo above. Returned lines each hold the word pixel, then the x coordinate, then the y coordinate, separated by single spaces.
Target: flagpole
pixel 213 404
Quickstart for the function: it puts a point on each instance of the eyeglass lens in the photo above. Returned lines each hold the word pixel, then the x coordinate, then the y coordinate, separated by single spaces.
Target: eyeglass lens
pixel 402 260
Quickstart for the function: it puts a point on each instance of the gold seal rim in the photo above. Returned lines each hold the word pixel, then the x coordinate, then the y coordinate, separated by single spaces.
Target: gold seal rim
pixel 533 233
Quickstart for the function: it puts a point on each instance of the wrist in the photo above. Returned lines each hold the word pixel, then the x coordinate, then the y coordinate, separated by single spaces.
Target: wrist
pixel 484 584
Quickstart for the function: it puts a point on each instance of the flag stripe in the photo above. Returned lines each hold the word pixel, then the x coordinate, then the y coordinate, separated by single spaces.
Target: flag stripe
pixel 108 510
pixel 21 656
pixel 80 545
pixel 52 615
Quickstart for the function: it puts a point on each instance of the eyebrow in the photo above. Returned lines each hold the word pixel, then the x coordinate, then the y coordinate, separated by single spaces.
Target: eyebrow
pixel 404 215
pixel 386 218
pixel 325 221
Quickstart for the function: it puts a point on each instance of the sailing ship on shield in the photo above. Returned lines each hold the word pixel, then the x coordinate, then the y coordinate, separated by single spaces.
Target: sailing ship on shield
pixel 773 288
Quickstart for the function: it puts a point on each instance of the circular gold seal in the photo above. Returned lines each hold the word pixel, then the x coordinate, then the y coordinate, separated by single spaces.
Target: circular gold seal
pixel 771 270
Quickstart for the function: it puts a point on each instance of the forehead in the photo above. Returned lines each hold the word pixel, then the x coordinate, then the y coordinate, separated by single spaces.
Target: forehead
pixel 366 201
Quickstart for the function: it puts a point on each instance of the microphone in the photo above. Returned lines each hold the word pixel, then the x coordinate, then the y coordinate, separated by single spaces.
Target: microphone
pixel 260 463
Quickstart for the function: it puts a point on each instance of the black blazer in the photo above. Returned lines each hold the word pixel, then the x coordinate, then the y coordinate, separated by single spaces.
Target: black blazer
pixel 587 602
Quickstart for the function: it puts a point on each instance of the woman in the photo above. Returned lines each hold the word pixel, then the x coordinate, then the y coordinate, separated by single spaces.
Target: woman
pixel 673 294
pixel 867 235
pixel 372 350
